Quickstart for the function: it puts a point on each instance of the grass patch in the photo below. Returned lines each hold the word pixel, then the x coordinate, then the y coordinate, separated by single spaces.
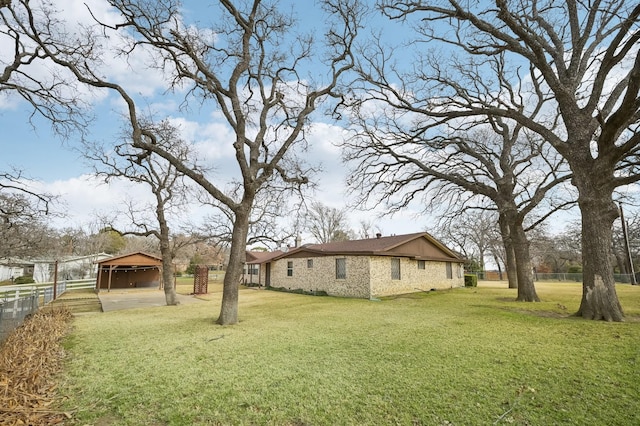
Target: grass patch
pixel 466 356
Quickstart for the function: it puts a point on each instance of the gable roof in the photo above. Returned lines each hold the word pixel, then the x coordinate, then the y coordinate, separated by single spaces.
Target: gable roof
pixel 419 245
pixel 14 261
pixel 137 258
pixel 261 256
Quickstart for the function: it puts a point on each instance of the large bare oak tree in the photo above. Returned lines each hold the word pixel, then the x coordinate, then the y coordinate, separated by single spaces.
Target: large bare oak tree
pixel 582 57
pixel 464 165
pixel 250 67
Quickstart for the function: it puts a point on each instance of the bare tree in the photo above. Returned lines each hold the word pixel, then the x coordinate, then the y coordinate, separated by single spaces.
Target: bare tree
pixel 22 213
pixel 557 253
pixel 471 232
pixel 626 249
pixel 90 238
pixel 22 72
pixel 243 67
pixel 145 244
pixel 367 229
pixel 461 166
pixel 20 201
pixel 326 223
pixel 267 225
pixel 582 60
pixel 165 183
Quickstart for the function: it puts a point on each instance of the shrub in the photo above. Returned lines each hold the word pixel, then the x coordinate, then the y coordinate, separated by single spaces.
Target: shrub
pixel 25 279
pixel 470 280
pixel 299 291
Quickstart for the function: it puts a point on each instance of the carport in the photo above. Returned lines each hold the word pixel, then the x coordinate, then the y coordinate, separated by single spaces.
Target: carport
pixel 133 270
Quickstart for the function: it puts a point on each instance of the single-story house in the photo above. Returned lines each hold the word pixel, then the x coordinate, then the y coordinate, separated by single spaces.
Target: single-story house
pixel 131 270
pixel 368 268
pixel 254 259
pixel 44 270
pixel 69 268
pixel 13 268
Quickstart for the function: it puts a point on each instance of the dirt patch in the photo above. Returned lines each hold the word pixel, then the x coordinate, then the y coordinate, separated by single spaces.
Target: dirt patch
pixel 30 358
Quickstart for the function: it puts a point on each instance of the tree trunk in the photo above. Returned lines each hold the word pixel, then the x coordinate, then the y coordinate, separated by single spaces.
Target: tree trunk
pixel 599 298
pixel 511 266
pixel 495 259
pixel 526 286
pixel 510 257
pixel 231 285
pixel 622 262
pixel 165 252
pixel 167 278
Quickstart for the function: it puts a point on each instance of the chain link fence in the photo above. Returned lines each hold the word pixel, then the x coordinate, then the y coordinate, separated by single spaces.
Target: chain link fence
pixel 561 277
pixel 19 301
pixel 577 277
pixel 14 310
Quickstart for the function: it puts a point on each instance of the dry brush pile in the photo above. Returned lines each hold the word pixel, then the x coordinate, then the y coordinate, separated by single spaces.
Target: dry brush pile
pixel 30 358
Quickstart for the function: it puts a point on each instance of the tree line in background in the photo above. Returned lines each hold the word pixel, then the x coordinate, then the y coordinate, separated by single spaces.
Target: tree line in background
pixel 46 243
pixel 522 109
pixel 476 235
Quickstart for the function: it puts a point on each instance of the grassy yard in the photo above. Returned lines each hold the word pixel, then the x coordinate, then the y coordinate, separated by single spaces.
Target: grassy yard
pixel 460 357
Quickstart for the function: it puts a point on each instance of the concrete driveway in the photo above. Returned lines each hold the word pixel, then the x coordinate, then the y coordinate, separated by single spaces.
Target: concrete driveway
pixel 116 300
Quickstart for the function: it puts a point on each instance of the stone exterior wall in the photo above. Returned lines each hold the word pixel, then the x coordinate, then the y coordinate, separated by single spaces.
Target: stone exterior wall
pixel 367 276
pixel 322 276
pixel 412 279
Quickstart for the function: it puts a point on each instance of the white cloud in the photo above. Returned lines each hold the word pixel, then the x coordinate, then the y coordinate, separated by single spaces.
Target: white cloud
pixel 83 199
pixel 325 138
pixel 214 141
pixel 86 197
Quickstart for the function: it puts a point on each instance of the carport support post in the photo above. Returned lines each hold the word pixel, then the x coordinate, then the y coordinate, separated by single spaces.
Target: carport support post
pixel 99 279
pixel 109 283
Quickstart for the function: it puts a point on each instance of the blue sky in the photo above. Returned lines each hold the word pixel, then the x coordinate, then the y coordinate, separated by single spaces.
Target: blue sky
pixel 62 170
pixel 38 151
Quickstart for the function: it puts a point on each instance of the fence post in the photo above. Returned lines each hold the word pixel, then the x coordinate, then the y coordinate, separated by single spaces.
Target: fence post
pixel 55 279
pixel 15 304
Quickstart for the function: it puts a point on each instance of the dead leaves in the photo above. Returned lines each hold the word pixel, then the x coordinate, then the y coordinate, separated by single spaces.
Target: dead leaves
pixel 29 360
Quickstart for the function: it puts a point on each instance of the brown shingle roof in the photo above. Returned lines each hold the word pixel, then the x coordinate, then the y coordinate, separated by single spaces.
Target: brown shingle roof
pixel 369 245
pixel 372 246
pixel 119 257
pixel 255 257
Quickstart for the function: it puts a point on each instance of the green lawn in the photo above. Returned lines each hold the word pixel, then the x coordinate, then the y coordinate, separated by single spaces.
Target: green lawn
pixel 461 357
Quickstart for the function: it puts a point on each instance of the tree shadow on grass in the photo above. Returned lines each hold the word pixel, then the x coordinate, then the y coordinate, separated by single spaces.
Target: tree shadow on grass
pixel 560 311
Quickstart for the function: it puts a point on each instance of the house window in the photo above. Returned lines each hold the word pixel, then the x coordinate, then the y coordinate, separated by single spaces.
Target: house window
pixel 421 264
pixel 341 269
pixel 449 271
pixel 395 268
pixel 309 263
pixel 290 268
pixel 253 269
